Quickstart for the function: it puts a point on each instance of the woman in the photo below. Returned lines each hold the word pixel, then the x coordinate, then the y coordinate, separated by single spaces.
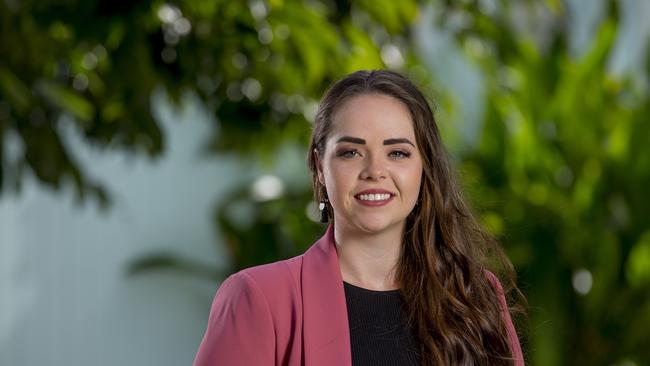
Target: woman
pixel 400 276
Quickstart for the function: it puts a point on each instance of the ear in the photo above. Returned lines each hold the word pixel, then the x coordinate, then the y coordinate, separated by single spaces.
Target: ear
pixel 319 167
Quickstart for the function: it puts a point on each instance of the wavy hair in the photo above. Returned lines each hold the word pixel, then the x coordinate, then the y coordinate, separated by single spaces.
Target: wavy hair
pixel 451 305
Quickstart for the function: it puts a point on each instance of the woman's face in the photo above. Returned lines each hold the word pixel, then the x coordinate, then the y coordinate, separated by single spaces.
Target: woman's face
pixel 371 166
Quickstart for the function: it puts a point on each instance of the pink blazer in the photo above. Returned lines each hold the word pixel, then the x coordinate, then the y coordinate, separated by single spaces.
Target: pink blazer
pixel 291 313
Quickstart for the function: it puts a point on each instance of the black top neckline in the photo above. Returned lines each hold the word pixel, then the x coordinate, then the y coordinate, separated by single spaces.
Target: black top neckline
pixel 369 291
pixel 379 330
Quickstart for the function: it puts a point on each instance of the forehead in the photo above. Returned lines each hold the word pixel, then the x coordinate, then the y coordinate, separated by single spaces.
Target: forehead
pixel 372 116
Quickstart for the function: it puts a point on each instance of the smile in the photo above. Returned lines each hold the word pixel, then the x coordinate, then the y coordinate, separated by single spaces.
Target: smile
pixel 378 199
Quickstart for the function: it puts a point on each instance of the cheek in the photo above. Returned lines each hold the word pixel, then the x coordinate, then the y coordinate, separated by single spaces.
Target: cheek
pixel 410 180
pixel 340 177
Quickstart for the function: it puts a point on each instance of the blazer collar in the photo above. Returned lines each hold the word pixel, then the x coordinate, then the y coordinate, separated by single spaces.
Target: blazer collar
pixel 326 334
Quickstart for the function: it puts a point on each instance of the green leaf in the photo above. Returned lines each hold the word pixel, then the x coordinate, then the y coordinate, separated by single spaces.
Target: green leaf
pixel 15 90
pixel 638 263
pixel 67 100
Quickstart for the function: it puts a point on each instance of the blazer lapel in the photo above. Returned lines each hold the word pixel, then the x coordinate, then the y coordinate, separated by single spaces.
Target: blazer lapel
pixel 326 335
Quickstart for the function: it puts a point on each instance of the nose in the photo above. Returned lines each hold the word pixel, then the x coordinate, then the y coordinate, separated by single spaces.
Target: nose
pixel 373 169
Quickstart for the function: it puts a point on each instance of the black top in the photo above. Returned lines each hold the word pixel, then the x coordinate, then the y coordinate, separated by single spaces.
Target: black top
pixel 379 333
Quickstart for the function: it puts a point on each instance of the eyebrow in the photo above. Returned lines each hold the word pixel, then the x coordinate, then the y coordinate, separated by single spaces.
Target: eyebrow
pixel 356 140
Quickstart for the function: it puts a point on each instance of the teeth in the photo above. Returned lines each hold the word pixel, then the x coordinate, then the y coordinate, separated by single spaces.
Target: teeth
pixel 374 197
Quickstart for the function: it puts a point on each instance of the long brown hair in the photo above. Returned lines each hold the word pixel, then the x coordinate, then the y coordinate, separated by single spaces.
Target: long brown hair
pixel 451 306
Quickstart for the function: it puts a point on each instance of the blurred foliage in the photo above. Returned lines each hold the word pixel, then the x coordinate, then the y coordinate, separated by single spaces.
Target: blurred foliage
pixel 560 174
pixel 260 66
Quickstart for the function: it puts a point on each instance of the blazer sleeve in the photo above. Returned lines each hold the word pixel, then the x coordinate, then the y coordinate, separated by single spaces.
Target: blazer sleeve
pixel 240 328
pixel 515 347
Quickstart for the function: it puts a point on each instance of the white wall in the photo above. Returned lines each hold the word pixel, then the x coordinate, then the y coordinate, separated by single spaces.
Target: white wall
pixel 64 296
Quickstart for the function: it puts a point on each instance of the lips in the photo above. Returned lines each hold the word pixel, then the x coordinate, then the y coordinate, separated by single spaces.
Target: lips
pixel 374 191
pixel 374 197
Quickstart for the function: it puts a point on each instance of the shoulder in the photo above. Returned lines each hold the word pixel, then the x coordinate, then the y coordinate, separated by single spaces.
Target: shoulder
pixel 269 283
pixel 494 280
pixel 250 311
pixel 515 347
pixel 281 269
pixel 272 275
pixel 498 289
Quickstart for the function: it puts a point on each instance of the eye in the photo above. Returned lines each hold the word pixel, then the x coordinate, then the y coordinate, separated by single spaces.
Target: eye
pixel 400 154
pixel 347 153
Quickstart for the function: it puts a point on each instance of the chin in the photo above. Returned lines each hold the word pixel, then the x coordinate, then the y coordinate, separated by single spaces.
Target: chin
pixel 374 226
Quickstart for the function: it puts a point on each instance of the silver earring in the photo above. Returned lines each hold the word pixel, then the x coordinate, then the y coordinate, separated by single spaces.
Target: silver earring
pixel 322 206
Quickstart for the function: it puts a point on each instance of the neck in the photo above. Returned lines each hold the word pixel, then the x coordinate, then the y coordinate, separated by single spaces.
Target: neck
pixel 369 260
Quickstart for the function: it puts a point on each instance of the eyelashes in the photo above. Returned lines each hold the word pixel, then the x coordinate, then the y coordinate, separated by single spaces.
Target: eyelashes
pixel 346 153
pixel 402 154
pixel 398 154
